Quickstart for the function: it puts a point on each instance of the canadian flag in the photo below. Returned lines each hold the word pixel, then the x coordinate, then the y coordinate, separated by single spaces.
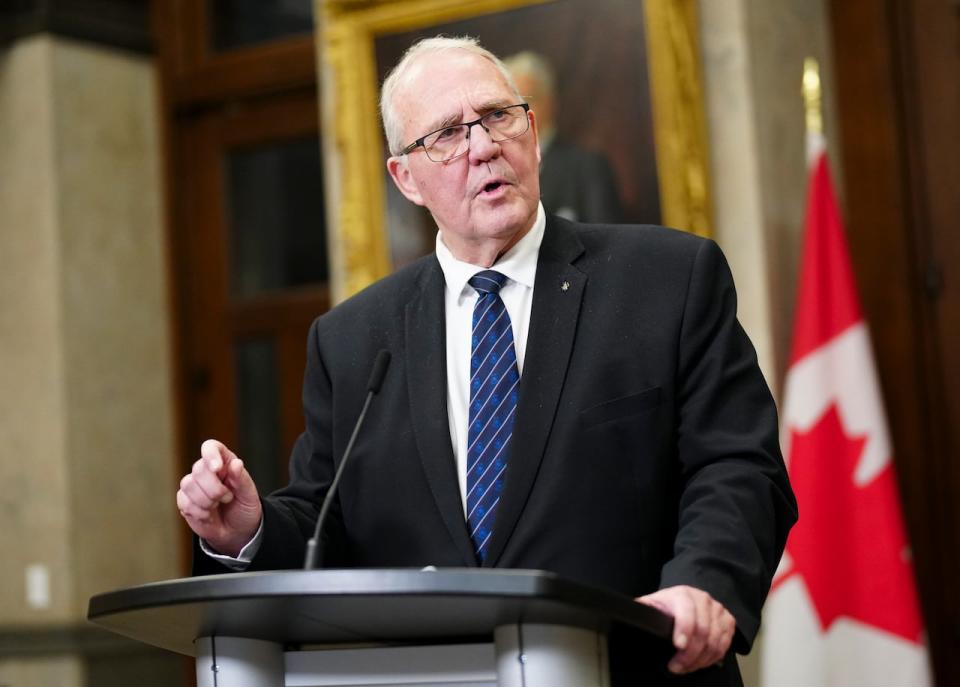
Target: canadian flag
pixel 843 606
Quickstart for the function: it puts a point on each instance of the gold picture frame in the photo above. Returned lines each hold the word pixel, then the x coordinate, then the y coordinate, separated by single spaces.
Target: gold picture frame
pixel 353 151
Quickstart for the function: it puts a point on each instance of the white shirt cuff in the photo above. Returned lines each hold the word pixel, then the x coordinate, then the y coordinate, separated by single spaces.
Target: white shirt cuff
pixel 243 558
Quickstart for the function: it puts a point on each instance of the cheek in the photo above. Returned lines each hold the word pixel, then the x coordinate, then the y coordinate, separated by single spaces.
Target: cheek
pixel 446 187
pixel 527 167
pixel 531 179
pixel 428 189
pixel 443 197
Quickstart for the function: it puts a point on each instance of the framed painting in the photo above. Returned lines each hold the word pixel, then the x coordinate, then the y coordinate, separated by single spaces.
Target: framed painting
pixel 625 91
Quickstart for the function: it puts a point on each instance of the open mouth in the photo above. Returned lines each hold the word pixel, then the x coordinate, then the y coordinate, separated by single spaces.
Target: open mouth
pixel 492 186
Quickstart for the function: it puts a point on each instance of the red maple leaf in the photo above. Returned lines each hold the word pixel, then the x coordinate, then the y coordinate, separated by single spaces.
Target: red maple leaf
pixel 849 545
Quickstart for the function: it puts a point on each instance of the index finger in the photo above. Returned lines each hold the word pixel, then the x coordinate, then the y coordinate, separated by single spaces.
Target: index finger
pixel 216 456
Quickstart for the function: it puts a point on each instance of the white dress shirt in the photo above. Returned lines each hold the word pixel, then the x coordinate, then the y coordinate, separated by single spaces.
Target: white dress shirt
pixel 519 265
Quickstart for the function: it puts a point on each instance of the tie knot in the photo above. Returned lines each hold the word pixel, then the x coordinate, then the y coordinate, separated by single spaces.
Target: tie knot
pixel 488 281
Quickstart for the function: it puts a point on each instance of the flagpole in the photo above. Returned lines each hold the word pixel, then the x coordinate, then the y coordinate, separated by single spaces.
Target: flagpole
pixel 813 102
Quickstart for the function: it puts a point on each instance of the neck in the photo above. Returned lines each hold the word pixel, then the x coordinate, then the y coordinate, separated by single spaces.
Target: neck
pixel 484 253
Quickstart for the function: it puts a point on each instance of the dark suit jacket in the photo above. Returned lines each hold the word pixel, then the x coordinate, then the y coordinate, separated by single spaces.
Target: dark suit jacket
pixel 645 448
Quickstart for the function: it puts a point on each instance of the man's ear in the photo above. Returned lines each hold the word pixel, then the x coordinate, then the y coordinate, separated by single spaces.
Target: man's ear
pixel 403 178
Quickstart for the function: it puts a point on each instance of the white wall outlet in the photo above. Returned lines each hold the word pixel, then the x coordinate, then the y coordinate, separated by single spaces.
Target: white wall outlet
pixel 38 586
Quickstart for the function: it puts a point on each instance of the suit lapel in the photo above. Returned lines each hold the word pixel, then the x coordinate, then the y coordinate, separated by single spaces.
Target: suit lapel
pixel 425 361
pixel 557 294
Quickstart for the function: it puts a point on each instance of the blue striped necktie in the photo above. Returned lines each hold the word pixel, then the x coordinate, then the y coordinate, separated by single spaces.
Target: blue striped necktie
pixel 494 384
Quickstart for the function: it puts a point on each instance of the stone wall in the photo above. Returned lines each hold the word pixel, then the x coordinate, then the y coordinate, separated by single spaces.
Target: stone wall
pixel 86 413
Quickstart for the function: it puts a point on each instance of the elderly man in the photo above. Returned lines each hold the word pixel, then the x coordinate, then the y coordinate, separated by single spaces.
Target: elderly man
pixel 572 398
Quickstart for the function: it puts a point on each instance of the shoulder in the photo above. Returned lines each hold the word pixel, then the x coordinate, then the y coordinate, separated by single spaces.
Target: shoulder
pixel 658 259
pixel 640 236
pixel 649 244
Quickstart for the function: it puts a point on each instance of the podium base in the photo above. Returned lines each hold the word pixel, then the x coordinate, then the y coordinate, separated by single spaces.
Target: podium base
pixel 239 662
pixel 525 655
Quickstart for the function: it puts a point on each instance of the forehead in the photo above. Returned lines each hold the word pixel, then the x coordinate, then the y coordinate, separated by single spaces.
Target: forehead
pixel 450 84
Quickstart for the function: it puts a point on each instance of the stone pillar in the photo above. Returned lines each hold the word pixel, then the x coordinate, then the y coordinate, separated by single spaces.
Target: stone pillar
pixel 87 471
pixel 753 52
pixel 735 168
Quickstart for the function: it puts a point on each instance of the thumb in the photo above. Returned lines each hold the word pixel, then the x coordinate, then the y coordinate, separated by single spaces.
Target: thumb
pixel 655 601
pixel 241 484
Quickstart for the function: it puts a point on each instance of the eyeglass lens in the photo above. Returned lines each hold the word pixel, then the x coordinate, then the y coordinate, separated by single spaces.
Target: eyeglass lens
pixel 453 141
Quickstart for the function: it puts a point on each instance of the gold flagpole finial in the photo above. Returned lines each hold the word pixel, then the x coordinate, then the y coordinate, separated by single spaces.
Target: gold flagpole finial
pixel 812 96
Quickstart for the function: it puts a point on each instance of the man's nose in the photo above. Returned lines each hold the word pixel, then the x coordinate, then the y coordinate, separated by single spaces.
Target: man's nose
pixel 481 145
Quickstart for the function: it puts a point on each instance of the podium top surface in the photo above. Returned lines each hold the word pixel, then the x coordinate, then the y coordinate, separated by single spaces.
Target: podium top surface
pixel 382 606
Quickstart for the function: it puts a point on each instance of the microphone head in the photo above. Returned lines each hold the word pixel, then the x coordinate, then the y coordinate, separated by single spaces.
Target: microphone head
pixel 379 371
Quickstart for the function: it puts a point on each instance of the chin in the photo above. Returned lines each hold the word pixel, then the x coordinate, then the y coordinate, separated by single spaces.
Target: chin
pixel 504 222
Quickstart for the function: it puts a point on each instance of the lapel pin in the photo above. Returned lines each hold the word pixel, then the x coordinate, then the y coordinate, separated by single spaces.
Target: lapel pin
pixel 565 286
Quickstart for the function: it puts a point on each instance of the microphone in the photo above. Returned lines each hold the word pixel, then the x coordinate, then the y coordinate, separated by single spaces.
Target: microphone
pixel 377 374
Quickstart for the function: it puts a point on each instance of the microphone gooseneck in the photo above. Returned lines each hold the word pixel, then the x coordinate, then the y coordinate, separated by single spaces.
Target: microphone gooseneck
pixel 377 374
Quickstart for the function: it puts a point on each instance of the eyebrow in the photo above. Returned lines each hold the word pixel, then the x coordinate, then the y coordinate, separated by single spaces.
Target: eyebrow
pixel 484 109
pixel 449 120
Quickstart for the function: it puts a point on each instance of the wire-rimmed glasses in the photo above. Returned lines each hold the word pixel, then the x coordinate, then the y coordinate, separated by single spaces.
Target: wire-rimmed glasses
pixel 452 141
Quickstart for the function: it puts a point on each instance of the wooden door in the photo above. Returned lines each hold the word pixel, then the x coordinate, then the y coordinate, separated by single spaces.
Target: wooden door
pixel 897 67
pixel 245 216
pixel 253 274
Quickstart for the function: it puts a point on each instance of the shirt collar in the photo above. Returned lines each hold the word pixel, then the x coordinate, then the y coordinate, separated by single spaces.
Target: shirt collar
pixel 519 263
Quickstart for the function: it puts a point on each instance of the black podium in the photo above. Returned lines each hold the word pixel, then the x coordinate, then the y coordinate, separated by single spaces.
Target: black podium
pixel 513 628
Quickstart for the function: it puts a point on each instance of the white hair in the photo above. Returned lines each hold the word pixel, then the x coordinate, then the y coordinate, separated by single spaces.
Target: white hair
pixel 397 78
